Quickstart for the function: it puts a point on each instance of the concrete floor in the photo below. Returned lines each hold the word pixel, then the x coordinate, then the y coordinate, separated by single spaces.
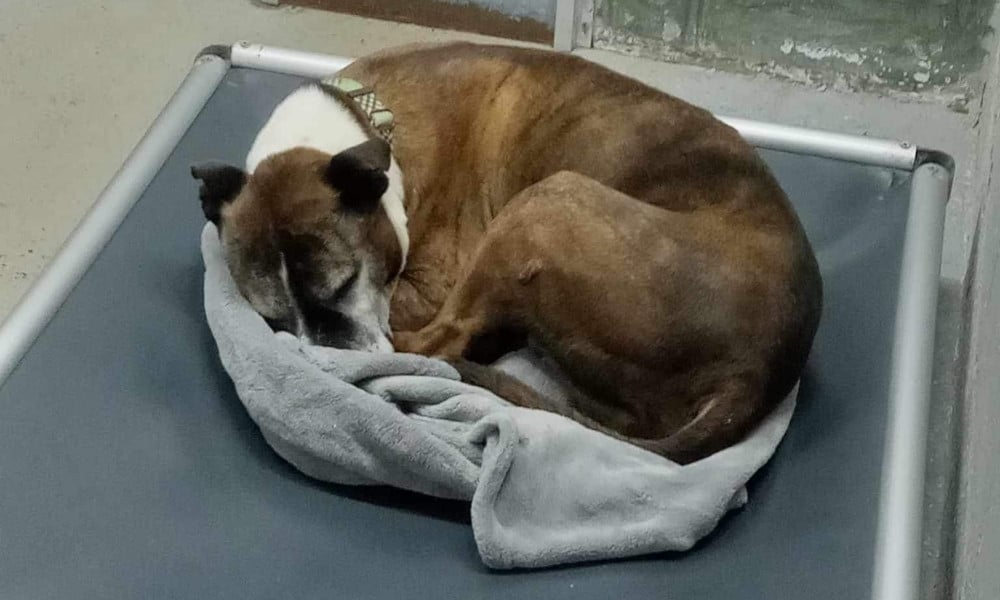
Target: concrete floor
pixel 82 80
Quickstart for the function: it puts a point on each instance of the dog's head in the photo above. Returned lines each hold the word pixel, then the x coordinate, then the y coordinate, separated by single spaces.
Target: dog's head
pixel 308 242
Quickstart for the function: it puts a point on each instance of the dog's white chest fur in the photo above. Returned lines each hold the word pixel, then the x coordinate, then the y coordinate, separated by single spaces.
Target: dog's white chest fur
pixel 311 118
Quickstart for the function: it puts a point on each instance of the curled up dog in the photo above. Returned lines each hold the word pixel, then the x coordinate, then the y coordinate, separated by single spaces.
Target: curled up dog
pixel 463 201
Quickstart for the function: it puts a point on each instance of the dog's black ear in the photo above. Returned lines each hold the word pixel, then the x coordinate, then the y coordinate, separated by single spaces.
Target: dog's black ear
pixel 219 184
pixel 359 174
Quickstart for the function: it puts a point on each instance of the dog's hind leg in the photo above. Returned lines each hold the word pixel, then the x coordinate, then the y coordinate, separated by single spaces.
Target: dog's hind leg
pixel 713 428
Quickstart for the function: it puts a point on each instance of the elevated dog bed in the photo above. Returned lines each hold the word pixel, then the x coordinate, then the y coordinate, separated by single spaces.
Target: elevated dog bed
pixel 129 468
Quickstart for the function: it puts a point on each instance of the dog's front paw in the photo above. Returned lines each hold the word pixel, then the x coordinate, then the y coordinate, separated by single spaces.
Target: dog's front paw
pixel 439 340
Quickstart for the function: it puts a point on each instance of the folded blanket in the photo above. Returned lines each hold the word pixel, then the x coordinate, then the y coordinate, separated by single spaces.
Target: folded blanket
pixel 544 490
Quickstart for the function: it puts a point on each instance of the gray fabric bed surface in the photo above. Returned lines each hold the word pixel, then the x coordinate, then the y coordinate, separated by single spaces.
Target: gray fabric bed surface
pixel 130 469
pixel 543 489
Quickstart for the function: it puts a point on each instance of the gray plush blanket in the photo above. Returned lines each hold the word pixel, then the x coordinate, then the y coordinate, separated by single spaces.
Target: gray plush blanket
pixel 543 489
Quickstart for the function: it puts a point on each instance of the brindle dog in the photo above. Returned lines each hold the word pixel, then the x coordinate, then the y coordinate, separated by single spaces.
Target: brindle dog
pixel 637 241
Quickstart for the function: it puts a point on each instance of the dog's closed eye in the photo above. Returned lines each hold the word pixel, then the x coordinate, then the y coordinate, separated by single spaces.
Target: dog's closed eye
pixel 345 286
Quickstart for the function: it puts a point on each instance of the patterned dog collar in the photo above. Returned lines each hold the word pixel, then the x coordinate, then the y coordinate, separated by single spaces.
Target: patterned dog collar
pixel 380 117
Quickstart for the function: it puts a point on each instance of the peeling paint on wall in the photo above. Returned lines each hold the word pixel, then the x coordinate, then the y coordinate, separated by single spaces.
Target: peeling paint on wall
pixel 820 52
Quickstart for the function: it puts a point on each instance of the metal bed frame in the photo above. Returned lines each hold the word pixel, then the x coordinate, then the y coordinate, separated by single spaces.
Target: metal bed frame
pixel 898 539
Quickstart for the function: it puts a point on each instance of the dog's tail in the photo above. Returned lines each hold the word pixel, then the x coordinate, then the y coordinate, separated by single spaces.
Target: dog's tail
pixel 723 419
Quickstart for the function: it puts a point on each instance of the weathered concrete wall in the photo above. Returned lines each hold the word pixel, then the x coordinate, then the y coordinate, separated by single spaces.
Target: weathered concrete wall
pixel 977 575
pixel 978 554
pixel 914 45
pixel 539 10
